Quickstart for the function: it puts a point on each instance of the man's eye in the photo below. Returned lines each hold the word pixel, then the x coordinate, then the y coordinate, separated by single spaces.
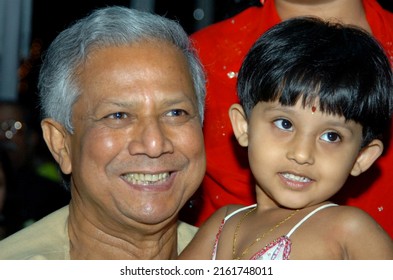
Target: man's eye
pixel 283 124
pixel 117 115
pixel 331 137
pixel 176 113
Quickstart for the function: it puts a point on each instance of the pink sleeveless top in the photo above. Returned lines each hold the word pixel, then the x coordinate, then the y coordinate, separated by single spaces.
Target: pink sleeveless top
pixel 278 249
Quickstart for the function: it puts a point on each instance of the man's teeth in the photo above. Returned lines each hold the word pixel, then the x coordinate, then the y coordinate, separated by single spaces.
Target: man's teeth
pixel 293 177
pixel 145 179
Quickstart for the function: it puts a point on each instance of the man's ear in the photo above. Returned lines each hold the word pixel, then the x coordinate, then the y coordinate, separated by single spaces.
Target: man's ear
pixel 367 156
pixel 239 124
pixel 55 136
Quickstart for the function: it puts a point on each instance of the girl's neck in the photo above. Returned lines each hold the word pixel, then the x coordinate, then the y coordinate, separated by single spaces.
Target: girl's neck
pixel 344 11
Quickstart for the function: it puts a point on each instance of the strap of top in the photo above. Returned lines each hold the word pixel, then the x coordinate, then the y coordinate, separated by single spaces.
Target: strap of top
pixel 239 210
pixel 295 227
pixel 308 216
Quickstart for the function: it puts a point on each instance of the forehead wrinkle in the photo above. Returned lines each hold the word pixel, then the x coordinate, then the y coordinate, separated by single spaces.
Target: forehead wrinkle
pixel 179 99
pixel 137 100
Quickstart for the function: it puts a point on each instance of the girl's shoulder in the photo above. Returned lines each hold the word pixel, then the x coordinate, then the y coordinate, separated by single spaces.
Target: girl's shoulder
pixel 349 216
pixel 227 211
pixel 341 232
pixel 345 218
pixel 360 235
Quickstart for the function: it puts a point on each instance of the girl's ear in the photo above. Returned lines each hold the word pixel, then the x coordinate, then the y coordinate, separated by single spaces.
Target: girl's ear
pixel 55 136
pixel 367 156
pixel 239 124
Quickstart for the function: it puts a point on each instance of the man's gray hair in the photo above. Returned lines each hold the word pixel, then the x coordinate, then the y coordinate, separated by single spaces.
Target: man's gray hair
pixel 105 27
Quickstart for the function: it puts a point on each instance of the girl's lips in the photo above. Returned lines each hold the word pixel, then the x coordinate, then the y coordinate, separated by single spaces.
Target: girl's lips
pixel 297 178
pixel 295 181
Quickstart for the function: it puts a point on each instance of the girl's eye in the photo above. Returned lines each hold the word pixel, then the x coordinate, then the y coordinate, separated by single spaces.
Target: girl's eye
pixel 331 137
pixel 283 124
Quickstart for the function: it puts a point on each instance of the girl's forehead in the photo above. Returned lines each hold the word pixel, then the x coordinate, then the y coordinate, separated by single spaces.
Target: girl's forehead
pixel 312 105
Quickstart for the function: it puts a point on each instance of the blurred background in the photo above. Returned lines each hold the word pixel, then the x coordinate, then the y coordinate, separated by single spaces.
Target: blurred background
pixel 28 26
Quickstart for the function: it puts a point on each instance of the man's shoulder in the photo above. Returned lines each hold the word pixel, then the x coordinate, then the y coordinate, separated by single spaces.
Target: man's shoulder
pixel 185 233
pixel 45 239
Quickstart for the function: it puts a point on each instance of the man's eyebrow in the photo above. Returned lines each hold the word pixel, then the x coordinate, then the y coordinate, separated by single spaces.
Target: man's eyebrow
pixel 116 102
pixel 174 101
pixel 135 103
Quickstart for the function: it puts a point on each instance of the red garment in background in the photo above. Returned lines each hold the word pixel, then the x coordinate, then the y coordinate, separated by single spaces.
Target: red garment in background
pixel 222 46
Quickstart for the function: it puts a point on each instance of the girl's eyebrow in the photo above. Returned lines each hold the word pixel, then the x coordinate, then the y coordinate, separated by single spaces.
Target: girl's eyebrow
pixel 342 124
pixel 279 107
pixel 337 121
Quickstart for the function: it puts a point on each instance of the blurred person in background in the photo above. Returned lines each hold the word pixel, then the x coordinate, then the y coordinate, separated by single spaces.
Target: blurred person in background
pixel 9 221
pixel 38 190
pixel 4 181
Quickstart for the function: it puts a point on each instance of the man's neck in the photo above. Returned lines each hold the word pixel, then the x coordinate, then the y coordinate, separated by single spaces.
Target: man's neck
pixel 344 11
pixel 91 239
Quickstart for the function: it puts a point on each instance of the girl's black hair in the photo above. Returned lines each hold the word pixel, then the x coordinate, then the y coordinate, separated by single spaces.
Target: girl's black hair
pixel 341 66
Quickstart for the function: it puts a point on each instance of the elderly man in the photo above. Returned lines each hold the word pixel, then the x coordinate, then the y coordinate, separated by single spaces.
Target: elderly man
pixel 122 93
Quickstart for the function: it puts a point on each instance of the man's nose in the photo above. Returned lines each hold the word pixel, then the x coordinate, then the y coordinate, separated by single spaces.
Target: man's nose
pixel 151 138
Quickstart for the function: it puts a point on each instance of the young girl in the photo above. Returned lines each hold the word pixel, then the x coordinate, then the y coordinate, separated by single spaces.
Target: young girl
pixel 316 98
